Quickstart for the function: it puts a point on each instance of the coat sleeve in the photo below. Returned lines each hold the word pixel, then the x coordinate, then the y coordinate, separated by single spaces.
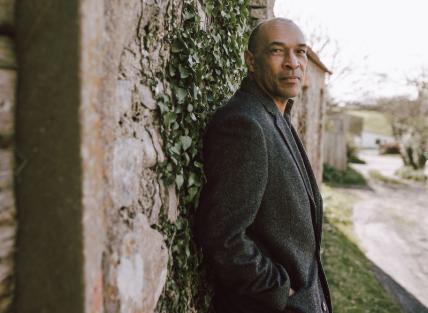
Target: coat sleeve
pixel 236 168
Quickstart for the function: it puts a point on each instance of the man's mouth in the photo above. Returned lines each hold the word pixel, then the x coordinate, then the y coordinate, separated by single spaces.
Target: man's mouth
pixel 290 79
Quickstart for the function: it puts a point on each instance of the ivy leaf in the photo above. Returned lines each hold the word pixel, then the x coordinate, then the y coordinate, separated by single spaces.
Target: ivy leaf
pixel 188 16
pixel 177 46
pixel 186 142
pixel 180 94
pixel 179 180
pixel 183 71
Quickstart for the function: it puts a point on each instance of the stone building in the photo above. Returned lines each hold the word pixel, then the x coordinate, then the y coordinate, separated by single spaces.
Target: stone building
pixel 309 111
pixel 79 144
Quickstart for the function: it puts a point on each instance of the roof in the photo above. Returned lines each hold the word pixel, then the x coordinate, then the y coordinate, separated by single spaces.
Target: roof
pixel 314 58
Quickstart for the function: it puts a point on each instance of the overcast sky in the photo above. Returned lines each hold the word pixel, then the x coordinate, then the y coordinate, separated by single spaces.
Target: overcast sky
pixel 391 33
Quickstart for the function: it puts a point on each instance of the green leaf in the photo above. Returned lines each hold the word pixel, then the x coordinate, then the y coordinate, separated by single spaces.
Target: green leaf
pixel 181 94
pixel 186 142
pixel 183 71
pixel 177 46
pixel 179 180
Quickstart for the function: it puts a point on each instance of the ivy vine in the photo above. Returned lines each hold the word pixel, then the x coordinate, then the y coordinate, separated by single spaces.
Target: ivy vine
pixel 204 69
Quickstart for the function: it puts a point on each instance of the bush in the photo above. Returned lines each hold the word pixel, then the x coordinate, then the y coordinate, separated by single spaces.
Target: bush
pixel 349 177
pixel 380 177
pixel 408 172
pixel 389 148
pixel 352 152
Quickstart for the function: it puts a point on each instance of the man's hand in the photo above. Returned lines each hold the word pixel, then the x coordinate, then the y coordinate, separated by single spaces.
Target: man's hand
pixel 291 292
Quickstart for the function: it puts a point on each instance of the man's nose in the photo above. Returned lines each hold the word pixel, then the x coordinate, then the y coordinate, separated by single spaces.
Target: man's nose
pixel 290 61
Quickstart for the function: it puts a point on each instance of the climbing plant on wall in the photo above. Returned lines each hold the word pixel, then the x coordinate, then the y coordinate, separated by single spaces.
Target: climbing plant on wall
pixel 204 69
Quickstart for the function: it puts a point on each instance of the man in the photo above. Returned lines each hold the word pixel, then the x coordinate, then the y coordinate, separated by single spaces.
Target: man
pixel 260 213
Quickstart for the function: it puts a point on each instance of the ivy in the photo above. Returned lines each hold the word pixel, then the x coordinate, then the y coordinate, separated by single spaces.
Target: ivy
pixel 204 69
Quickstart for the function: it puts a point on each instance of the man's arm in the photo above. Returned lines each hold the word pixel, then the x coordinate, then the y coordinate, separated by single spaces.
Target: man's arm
pixel 236 167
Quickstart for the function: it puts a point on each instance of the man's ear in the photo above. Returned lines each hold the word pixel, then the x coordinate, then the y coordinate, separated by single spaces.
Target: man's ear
pixel 249 60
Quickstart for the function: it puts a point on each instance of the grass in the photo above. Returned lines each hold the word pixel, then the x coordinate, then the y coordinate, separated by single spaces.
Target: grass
pixel 409 173
pixel 349 177
pixel 351 279
pixel 375 174
pixel 374 121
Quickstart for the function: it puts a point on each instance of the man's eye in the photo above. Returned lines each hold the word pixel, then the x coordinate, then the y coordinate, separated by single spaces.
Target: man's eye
pixel 301 51
pixel 276 51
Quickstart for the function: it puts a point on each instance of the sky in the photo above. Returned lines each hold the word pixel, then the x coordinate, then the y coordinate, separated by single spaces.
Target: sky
pixel 384 42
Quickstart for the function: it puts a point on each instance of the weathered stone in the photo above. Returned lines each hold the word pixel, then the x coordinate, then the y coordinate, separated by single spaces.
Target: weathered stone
pixel 258 3
pixel 123 98
pixel 7 52
pixel 7 13
pixel 146 97
pixel 203 16
pixel 172 203
pixel 258 13
pixel 142 269
pixel 157 204
pixel 7 103
pixel 6 267
pixel 5 304
pixel 157 143
pixel 149 151
pixel 6 199
pixel 6 168
pixel 127 164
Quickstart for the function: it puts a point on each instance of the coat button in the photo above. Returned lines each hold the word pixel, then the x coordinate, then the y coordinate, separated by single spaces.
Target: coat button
pixel 324 306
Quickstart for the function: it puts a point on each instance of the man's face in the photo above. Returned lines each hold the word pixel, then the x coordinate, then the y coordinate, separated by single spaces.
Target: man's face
pixel 280 59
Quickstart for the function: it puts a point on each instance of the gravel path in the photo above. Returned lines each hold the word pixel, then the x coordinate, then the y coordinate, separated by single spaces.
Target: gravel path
pixel 391 223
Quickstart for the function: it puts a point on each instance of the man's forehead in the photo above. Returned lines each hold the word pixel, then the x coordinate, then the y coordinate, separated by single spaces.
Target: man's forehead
pixel 281 31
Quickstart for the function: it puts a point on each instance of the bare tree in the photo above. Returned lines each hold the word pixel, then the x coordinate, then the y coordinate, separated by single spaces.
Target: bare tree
pixel 409 122
pixel 330 52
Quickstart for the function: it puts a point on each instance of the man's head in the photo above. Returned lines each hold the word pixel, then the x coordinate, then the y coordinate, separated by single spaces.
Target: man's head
pixel 277 57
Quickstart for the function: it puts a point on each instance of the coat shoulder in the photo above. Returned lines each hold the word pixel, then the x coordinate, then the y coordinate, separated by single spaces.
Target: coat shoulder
pixel 242 105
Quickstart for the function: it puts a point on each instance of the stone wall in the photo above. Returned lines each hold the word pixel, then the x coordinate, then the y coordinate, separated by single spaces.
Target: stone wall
pixel 89 195
pixel 7 108
pixel 88 143
pixel 134 262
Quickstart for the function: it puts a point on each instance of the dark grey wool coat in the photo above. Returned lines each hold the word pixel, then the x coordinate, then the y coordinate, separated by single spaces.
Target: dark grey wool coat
pixel 260 212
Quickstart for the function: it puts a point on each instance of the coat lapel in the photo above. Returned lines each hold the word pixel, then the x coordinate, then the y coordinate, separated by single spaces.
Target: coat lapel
pixel 289 140
pixel 304 167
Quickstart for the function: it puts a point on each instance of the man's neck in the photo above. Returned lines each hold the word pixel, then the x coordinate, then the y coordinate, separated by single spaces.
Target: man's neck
pixel 280 102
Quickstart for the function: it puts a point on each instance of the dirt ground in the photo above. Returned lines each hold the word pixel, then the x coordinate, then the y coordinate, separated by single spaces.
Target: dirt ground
pixel 391 223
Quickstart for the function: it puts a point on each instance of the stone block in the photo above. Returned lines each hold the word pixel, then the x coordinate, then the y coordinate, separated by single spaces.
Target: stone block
pixel 157 143
pixel 260 13
pixel 6 199
pixel 146 97
pixel 258 3
pixel 172 203
pixel 7 13
pixel 6 168
pixel 7 104
pixel 142 268
pixel 7 52
pixel 123 99
pixel 127 166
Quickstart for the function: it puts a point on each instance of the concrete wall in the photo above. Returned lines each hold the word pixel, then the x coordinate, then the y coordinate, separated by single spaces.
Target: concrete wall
pixel 7 109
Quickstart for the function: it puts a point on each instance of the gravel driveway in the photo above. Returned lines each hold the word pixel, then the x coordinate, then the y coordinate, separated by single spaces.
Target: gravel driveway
pixel 391 223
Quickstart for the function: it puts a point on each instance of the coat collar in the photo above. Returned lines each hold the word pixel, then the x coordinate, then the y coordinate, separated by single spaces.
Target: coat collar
pixel 250 85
